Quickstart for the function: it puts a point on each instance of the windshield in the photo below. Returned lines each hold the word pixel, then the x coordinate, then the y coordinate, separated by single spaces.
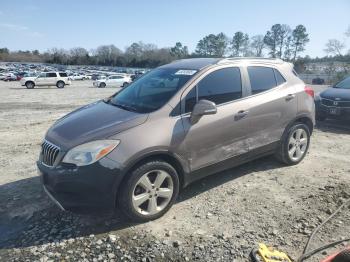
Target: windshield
pixel 153 90
pixel 344 83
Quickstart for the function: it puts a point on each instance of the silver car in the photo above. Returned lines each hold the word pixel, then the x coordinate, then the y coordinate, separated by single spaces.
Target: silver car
pixel 176 124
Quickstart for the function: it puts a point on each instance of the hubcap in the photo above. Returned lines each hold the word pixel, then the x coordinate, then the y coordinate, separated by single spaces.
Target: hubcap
pixel 297 144
pixel 152 192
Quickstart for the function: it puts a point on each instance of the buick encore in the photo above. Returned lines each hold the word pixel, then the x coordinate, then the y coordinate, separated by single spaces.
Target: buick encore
pixel 178 123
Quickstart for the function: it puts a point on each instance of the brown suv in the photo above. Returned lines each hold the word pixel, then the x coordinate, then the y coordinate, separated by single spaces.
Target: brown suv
pixel 174 125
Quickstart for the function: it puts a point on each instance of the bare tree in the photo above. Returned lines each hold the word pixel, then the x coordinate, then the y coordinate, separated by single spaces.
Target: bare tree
pixel 257 45
pixel 334 47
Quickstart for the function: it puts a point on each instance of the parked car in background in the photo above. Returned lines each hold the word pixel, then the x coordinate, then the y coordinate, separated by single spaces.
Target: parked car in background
pixel 58 79
pixel 113 81
pixel 10 77
pixel 78 76
pixel 2 76
pixel 177 124
pixel 334 102
pixel 318 81
pixel 97 76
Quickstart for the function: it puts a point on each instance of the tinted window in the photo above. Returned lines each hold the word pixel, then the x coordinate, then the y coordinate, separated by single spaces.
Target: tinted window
pixel 261 78
pixel 63 74
pixel 221 86
pixel 51 74
pixel 279 78
pixel 191 100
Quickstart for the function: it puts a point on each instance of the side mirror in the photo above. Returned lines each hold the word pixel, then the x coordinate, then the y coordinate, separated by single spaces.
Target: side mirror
pixel 203 107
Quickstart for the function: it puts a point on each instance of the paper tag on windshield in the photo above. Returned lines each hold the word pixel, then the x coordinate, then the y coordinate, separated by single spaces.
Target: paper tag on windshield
pixel 186 72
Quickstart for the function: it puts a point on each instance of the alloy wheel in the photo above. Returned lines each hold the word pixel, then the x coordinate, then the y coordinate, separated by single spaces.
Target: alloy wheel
pixel 152 192
pixel 297 144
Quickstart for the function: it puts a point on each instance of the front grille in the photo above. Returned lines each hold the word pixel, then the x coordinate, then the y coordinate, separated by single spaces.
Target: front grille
pixel 336 103
pixel 49 153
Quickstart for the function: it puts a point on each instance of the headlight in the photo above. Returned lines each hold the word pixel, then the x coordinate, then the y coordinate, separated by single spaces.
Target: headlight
pixel 90 152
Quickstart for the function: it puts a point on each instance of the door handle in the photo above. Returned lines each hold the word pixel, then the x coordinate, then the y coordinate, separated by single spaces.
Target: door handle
pixel 241 114
pixel 290 97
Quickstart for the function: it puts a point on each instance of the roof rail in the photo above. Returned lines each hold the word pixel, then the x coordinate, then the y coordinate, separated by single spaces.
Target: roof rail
pixel 253 59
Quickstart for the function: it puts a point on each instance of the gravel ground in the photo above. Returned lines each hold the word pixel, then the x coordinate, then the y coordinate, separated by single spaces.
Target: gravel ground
pixel 220 218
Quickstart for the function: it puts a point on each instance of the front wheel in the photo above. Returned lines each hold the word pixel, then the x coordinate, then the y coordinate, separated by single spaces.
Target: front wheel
pixel 150 191
pixel 102 85
pixel 294 144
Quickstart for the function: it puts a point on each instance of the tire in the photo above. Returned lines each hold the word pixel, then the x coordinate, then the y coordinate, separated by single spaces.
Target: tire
pixel 29 85
pixel 102 85
pixel 60 84
pixel 151 206
pixel 299 132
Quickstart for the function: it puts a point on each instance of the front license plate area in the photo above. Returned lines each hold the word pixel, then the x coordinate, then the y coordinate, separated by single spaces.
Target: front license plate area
pixel 334 111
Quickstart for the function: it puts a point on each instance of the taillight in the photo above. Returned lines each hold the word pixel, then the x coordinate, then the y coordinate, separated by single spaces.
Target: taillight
pixel 308 90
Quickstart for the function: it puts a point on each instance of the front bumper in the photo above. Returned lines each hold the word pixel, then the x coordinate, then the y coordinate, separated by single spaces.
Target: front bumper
pixel 333 111
pixel 93 186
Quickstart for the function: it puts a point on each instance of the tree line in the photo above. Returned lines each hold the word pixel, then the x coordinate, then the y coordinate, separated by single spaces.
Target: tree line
pixel 280 41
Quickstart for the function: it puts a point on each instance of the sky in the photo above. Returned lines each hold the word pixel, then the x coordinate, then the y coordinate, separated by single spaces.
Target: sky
pixel 44 24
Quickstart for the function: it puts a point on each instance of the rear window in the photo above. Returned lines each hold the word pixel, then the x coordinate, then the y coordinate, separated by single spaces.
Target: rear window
pixel 279 78
pixel 63 74
pixel 261 78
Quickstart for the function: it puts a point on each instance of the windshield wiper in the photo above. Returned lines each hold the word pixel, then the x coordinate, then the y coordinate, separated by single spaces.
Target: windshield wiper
pixel 123 106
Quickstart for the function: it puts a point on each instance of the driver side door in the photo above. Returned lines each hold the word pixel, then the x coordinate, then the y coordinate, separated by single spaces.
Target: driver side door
pixel 221 136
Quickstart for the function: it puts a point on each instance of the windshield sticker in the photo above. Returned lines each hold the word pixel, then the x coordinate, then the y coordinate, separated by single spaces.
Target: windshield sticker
pixel 186 72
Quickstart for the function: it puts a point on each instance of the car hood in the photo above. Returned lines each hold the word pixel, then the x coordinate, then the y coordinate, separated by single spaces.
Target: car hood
pixel 92 122
pixel 340 93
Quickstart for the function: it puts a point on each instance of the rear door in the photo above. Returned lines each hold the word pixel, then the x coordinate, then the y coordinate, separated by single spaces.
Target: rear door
pixel 52 78
pixel 215 138
pixel 272 105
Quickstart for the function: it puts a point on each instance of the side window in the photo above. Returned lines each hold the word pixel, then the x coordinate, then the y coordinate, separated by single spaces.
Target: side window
pixel 43 75
pixel 279 78
pixel 51 75
pixel 63 74
pixel 191 100
pixel 221 86
pixel 261 78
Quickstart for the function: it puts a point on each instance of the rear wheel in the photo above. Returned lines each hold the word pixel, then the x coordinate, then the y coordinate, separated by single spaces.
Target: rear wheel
pixel 60 84
pixel 102 85
pixel 29 85
pixel 294 144
pixel 150 191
